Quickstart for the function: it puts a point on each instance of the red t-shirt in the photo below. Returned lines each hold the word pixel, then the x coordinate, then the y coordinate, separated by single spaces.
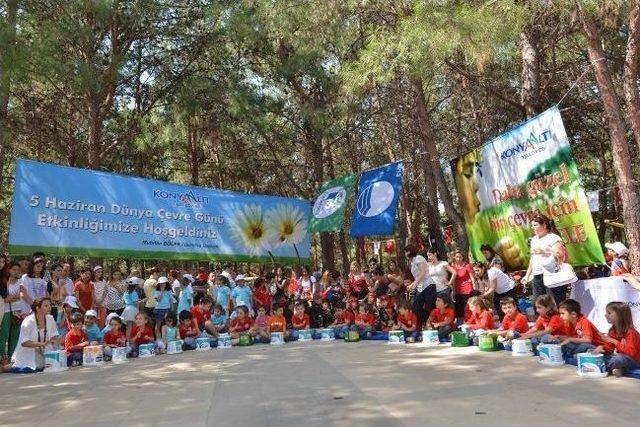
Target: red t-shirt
pixel 518 323
pixel 85 293
pixel 111 338
pixel 300 322
pixel 462 283
pixel 262 297
pixel 74 337
pixel 241 325
pixel 188 331
pixel 437 316
pixel 482 320
pixel 408 320
pixel 277 323
pixel 583 329
pixel 554 323
pixel 146 336
pixel 365 319
pixel 199 315
pixel 356 285
pixel 292 286
pixel 346 317
pixel 629 343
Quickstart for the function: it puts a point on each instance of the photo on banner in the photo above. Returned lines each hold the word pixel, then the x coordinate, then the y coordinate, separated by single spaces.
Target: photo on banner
pixel 526 171
pixel 377 201
pixel 328 209
pixel 68 211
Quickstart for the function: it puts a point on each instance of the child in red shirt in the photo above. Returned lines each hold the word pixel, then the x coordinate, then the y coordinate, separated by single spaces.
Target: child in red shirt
pixel 277 322
pixel 188 330
pixel 364 320
pixel 443 317
pixel 387 316
pixel 407 322
pixel 514 323
pixel 242 324
pixel 114 337
pixel 622 342
pixel 202 315
pixel 548 324
pixel 141 333
pixel 76 340
pixel 343 320
pixel 481 316
pixel 580 336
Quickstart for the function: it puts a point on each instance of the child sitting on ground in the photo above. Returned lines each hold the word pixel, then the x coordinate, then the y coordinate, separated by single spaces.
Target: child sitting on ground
pixel 407 322
pixel 443 317
pixel 548 324
pixel 327 314
pixel 131 299
pixel 219 319
pixel 262 321
pixel 277 322
pixel 202 315
pixel 141 333
pixel 622 342
pixel 76 340
pixel 387 316
pixel 300 320
pixel 580 335
pixel 242 324
pixel 343 320
pixel 91 328
pixel 188 330
pixel 481 316
pixel 114 337
pixel 169 331
pixel 513 323
pixel 365 320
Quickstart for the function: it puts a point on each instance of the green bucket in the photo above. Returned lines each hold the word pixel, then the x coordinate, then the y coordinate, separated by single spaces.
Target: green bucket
pixel 352 336
pixel 459 339
pixel 245 340
pixel 488 342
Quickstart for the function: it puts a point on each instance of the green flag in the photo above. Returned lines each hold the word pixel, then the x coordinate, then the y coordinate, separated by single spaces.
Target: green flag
pixel 329 207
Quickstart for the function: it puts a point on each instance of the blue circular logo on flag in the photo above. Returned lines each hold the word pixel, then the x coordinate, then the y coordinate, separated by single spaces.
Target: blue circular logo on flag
pixel 375 199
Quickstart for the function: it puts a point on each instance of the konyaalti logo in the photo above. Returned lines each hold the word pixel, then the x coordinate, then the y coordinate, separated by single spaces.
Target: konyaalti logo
pixel 329 202
pixel 187 199
pixel 534 143
pixel 375 199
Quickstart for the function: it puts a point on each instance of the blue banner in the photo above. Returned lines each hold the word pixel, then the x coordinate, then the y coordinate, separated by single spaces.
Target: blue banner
pixel 377 200
pixel 68 211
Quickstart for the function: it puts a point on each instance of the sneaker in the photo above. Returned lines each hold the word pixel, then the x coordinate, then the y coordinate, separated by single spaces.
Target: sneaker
pixel 411 340
pixel 617 372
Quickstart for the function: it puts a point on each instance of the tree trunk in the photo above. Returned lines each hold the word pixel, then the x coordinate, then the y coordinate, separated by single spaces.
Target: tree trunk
pixel 344 251
pixel 327 244
pixel 5 79
pixel 530 49
pixel 632 71
pixel 433 164
pixel 95 135
pixel 619 144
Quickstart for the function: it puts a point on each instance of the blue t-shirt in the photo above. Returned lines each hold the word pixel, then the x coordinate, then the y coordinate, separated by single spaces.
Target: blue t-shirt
pixel 93 332
pixel 131 298
pixel 223 295
pixel 164 303
pixel 219 320
pixel 171 333
pixel 242 296
pixel 185 300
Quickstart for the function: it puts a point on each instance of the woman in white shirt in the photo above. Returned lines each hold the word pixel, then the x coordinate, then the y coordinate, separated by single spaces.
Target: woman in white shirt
pixel 15 309
pixel 440 272
pixel 34 281
pixel 38 331
pixel 423 285
pixel 499 285
pixel 545 248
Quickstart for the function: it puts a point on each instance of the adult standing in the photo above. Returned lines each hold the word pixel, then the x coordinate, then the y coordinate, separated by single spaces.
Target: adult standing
pixel 83 290
pixel 546 248
pixel 425 288
pixel 619 254
pixel 99 294
pixel 307 282
pixel 37 332
pixel 440 272
pixel 149 288
pixel 499 285
pixel 114 302
pixel 396 277
pixel 15 310
pixel 490 255
pixel 55 289
pixel 463 282
pixel 66 279
pixel 357 281
pixel 33 281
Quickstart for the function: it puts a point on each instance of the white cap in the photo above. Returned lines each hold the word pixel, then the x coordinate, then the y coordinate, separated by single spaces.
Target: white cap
pixel 189 277
pixel 97 267
pixel 71 301
pixel 163 279
pixel 133 281
pixel 239 277
pixel 111 316
pixel 91 313
pixel 618 247
pixel 226 274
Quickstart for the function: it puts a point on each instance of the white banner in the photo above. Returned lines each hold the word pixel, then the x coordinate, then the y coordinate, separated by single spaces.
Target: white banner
pixel 594 295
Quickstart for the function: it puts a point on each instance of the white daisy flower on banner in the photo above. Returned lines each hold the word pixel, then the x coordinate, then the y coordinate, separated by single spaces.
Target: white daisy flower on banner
pixel 286 225
pixel 249 229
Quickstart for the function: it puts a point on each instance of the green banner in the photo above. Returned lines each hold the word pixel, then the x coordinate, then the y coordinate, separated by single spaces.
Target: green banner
pixel 328 209
pixel 526 171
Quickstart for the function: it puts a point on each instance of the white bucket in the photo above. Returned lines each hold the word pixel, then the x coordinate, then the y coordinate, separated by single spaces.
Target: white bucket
pixel 55 361
pixel 119 354
pixel 305 335
pixel 277 338
pixel 146 350
pixel 202 344
pixel 327 334
pixel 550 355
pixel 174 347
pixel 224 341
pixel 430 337
pixel 591 365
pixel 92 355
pixel 521 348
pixel 396 337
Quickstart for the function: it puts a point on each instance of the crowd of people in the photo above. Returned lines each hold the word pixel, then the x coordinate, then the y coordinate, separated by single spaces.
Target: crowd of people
pixel 47 305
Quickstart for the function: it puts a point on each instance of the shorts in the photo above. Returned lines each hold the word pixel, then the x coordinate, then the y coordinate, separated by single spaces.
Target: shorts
pixel 159 314
pixel 129 314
